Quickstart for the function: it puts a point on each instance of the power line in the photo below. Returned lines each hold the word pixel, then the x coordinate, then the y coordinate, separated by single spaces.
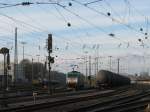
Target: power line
pixel 65 9
pixel 87 21
pixel 109 5
pixel 13 5
pixel 108 15
pixel 92 2
pixel 146 18
pixel 47 11
pixel 85 4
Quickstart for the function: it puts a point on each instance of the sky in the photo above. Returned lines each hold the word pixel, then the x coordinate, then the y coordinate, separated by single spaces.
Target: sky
pixel 99 28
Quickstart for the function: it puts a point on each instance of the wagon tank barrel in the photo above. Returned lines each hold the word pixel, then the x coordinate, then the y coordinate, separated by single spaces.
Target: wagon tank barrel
pixel 106 78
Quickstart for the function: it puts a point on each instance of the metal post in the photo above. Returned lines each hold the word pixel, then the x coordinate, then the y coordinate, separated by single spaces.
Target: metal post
pixel 110 62
pixel 15 57
pixel 90 69
pixel 86 67
pixel 95 66
pixel 23 52
pixel 49 74
pixel 38 65
pixel 86 70
pixel 23 43
pixel 32 75
pixel 118 64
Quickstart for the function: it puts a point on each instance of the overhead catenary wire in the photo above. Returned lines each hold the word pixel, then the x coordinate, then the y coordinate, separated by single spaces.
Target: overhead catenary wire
pixel 14 5
pixel 85 6
pixel 92 2
pixel 140 13
pixel 87 21
pixel 72 13
pixel 45 10
pixel 62 16
pixel 18 21
pixel 55 35
pixel 128 11
pixel 113 19
pixel 76 15
pixel 59 4
pixel 36 25
pixel 13 19
pixel 112 9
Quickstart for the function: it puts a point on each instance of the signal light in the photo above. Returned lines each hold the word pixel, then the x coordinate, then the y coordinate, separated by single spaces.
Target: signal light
pixel 51 59
pixel 50 42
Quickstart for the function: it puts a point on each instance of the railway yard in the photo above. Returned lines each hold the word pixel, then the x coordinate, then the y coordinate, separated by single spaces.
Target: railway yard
pixel 133 98
pixel 74 56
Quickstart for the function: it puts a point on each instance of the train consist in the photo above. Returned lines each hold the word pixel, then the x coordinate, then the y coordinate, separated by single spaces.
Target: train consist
pixel 75 80
pixel 107 79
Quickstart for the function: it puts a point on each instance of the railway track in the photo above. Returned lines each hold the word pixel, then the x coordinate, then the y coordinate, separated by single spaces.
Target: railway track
pixel 122 104
pixel 52 104
pixel 62 102
pixel 67 101
pixel 24 93
pixel 43 96
pixel 132 106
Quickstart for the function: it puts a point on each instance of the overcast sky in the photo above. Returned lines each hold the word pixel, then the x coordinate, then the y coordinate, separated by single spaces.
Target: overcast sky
pixel 103 28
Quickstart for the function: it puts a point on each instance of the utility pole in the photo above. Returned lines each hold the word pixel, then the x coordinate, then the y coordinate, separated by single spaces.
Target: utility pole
pixel 90 70
pixel 23 43
pixel 38 67
pixel 118 64
pixel 86 70
pixel 32 75
pixel 110 63
pixel 86 67
pixel 16 58
pixel 95 66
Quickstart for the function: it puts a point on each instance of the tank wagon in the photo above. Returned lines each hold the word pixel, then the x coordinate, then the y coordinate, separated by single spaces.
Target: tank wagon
pixel 106 79
pixel 75 80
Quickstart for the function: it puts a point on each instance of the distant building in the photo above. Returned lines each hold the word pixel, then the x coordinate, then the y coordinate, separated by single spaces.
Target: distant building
pixel 20 75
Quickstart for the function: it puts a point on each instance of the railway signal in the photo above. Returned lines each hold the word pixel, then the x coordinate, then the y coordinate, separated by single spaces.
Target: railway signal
pixel 50 60
pixel 50 42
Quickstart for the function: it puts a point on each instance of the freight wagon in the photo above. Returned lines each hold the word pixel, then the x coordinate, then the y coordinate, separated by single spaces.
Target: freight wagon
pixel 107 79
